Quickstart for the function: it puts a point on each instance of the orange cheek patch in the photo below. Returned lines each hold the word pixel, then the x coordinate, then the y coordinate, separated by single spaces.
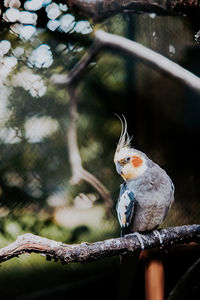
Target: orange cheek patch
pixel 136 161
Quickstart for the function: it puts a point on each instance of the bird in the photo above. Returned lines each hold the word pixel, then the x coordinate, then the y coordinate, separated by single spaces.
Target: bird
pixel 145 197
pixel 147 192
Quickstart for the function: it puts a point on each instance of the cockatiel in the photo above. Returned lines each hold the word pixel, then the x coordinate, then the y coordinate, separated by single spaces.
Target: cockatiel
pixel 147 193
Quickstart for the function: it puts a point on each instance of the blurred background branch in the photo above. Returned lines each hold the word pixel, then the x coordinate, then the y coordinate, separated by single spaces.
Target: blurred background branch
pixel 99 9
pixel 78 172
pixel 188 282
pixel 105 41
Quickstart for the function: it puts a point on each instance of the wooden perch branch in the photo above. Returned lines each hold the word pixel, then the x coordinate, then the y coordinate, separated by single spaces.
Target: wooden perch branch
pixel 104 40
pixel 86 252
pixel 100 9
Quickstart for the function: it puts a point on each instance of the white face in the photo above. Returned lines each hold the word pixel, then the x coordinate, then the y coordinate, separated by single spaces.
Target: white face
pixel 129 163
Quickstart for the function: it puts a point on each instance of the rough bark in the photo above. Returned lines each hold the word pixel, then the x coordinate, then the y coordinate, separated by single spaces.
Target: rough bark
pixel 86 252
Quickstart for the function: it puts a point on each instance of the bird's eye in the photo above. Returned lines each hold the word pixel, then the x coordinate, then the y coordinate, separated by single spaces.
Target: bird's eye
pixel 127 159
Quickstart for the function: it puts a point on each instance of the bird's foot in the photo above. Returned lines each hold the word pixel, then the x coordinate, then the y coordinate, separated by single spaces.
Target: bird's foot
pixel 157 235
pixel 140 238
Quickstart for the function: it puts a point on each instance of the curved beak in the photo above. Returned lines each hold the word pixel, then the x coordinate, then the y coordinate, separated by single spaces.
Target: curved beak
pixel 119 168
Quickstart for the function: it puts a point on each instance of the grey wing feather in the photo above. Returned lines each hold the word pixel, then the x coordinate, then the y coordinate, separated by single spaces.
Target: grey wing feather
pixel 130 208
pixel 125 206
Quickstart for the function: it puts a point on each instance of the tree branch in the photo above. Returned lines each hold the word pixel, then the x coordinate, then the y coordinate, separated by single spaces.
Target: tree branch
pixel 187 284
pixel 86 252
pixel 104 40
pixel 78 172
pixel 100 9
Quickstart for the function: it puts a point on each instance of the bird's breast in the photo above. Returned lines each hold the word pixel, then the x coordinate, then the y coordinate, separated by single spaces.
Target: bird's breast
pixel 148 216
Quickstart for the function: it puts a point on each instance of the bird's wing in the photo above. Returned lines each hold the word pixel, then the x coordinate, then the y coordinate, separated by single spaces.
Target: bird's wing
pixel 125 206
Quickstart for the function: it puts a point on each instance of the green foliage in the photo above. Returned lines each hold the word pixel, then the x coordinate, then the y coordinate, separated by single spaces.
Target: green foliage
pixel 37 224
